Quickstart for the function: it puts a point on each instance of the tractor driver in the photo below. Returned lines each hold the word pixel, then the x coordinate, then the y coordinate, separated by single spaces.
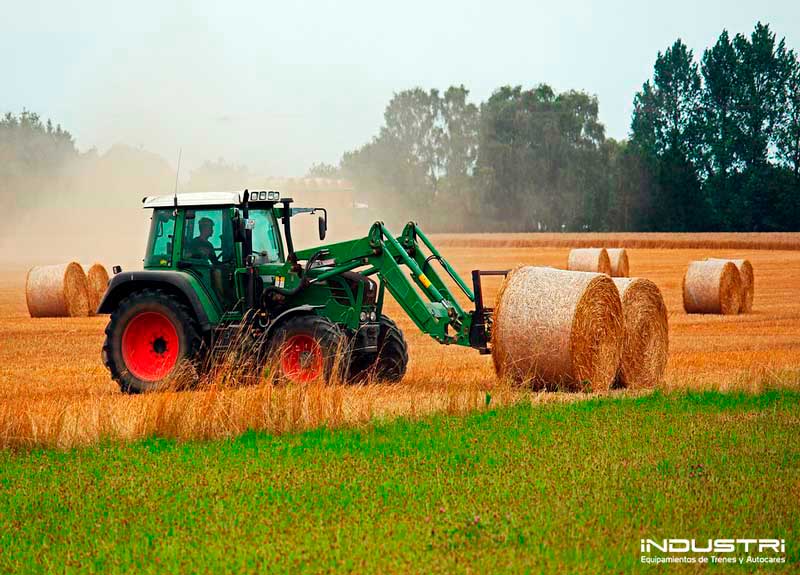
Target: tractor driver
pixel 200 247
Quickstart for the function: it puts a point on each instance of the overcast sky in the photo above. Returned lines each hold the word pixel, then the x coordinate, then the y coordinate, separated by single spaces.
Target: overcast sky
pixel 280 85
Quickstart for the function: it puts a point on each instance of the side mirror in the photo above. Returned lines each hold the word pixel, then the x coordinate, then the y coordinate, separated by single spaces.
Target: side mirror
pixel 322 222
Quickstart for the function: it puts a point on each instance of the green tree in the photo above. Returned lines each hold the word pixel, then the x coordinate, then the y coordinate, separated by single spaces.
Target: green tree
pixel 667 129
pixel 719 69
pixel 539 159
pixel 789 139
pixel 764 67
pixel 423 156
pixel 323 170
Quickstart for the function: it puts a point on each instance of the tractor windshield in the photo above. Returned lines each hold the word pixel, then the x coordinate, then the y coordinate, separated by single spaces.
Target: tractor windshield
pixel 159 245
pixel 267 246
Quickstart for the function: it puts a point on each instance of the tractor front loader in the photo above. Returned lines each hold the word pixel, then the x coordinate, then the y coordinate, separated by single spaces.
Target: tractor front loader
pixel 220 264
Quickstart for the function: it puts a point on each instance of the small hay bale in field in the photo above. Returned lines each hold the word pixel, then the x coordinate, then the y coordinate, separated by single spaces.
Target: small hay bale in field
pixel 57 291
pixel 97 282
pixel 589 260
pixel 645 346
pixel 619 262
pixel 748 282
pixel 712 286
pixel 557 329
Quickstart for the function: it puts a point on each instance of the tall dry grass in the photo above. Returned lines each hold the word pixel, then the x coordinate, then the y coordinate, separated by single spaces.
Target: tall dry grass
pixel 229 394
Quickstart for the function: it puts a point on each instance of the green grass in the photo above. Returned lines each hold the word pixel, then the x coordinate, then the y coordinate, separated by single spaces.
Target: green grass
pixel 562 488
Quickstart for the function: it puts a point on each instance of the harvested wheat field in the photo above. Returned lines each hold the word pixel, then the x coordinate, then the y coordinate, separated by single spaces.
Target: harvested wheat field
pixel 54 389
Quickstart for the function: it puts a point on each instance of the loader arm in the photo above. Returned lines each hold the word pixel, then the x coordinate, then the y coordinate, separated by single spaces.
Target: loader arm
pixel 401 264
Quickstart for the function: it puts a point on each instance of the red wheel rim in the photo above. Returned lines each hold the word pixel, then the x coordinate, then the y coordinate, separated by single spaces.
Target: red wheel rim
pixel 150 346
pixel 301 358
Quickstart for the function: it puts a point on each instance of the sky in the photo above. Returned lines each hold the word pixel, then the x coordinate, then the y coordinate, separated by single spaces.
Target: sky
pixel 278 86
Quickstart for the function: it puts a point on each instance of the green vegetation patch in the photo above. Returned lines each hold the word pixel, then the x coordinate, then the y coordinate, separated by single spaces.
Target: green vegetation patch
pixel 570 487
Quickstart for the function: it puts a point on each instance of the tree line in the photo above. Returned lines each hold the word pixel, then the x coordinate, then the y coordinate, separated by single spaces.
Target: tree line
pixel 714 144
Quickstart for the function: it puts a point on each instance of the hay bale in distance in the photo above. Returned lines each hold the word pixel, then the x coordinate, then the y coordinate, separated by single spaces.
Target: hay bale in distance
pixel 619 262
pixel 645 346
pixel 97 282
pixel 748 282
pixel 589 260
pixel 558 329
pixel 57 291
pixel 712 286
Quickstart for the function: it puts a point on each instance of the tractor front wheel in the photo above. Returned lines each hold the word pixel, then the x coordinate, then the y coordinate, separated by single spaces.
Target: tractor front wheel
pixel 305 348
pixel 149 337
pixel 389 364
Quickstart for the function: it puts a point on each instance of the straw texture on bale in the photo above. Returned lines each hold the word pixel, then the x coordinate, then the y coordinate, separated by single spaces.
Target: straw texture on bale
pixel 589 260
pixel 645 346
pixel 748 282
pixel 57 291
pixel 619 262
pixel 97 282
pixel 712 286
pixel 557 329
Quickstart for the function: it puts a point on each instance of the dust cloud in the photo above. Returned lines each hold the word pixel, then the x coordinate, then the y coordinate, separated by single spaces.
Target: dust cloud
pixel 90 209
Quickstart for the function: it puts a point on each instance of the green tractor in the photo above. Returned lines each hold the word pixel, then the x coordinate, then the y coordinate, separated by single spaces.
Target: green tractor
pixel 217 265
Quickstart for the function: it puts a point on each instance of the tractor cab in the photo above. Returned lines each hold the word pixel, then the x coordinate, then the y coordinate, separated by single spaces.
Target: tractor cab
pixel 215 237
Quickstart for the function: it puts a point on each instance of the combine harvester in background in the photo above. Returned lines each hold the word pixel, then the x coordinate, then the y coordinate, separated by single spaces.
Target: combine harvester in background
pixel 217 278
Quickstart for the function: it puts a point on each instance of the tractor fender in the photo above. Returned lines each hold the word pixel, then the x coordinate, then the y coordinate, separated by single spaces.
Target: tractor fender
pixel 178 284
pixel 299 310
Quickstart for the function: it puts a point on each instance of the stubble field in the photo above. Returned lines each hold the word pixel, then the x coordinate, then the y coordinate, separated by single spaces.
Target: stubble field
pixel 54 390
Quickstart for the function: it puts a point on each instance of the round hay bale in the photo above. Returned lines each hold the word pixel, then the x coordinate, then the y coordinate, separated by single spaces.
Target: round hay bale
pixel 619 262
pixel 712 286
pixel 557 329
pixel 97 282
pixel 748 282
pixel 645 345
pixel 589 260
pixel 57 291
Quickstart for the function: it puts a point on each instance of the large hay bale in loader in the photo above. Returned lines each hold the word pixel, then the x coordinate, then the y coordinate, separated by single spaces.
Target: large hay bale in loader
pixel 748 282
pixel 645 346
pixel 557 329
pixel 619 262
pixel 57 291
pixel 97 283
pixel 589 260
pixel 712 287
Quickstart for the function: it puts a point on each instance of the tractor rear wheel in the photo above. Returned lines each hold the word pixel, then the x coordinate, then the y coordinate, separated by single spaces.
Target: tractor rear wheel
pixel 304 348
pixel 150 337
pixel 391 361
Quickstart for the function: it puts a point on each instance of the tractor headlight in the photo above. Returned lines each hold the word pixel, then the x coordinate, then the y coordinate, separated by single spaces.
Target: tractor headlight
pixel 274 195
pixel 262 195
pixel 363 316
pixel 373 316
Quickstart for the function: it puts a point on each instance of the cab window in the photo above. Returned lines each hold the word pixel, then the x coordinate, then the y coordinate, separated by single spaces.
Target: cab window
pixel 159 244
pixel 207 237
pixel 267 247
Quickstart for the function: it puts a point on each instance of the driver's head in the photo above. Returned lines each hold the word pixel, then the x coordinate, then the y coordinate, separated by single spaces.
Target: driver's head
pixel 206 228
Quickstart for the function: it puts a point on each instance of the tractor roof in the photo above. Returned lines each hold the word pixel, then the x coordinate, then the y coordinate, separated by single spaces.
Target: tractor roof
pixel 196 199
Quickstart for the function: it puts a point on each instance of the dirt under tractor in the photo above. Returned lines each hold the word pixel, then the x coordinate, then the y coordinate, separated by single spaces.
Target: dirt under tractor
pixel 221 264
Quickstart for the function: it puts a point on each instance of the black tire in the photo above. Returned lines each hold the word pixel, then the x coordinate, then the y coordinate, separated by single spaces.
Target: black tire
pixel 293 363
pixel 187 337
pixel 389 364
